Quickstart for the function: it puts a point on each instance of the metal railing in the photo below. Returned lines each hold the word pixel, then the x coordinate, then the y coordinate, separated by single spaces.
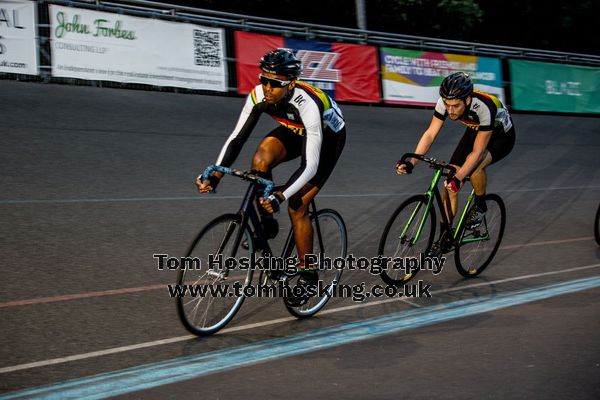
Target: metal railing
pixel 233 21
pixel 329 33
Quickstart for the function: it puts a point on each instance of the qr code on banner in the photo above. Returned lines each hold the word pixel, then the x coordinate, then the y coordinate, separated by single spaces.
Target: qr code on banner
pixel 207 48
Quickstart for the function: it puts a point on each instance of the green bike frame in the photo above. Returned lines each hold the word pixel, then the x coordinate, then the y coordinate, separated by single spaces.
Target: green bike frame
pixel 431 193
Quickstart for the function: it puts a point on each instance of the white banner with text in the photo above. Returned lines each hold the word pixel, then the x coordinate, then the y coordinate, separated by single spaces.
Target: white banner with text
pixel 18 46
pixel 97 45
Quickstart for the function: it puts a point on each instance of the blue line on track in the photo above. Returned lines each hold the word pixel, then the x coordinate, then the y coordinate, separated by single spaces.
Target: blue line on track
pixel 167 372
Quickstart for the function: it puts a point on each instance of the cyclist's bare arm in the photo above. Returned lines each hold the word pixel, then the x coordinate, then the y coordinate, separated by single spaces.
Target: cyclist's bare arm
pixel 476 156
pixel 425 142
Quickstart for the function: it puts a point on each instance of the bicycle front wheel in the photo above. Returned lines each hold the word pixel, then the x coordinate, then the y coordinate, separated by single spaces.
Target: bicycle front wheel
pixel 333 244
pixel 407 234
pixel 477 247
pixel 209 299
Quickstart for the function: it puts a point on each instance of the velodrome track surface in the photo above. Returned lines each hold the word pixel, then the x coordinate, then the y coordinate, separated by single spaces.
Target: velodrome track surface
pixel 95 181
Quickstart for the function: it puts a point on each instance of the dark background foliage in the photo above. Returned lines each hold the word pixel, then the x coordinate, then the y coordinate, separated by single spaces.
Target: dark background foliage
pixel 549 25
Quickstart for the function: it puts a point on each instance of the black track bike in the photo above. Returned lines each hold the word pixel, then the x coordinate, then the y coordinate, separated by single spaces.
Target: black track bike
pixel 233 238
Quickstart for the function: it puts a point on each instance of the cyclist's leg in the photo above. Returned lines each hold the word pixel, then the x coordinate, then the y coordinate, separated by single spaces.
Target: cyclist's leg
pixel 303 236
pixel 479 182
pixel 274 149
pixel 331 149
pixel 270 152
pixel 479 178
pixel 303 230
pixel 463 149
pixel 450 202
pixel 500 145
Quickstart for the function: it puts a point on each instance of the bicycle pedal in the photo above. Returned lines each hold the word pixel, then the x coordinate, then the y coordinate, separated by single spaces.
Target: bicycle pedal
pixel 275 275
pixel 476 233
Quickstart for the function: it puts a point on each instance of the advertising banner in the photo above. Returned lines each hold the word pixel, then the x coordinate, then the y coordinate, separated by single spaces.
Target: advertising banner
pixel 18 45
pixel 347 72
pixel 98 45
pixel 414 77
pixel 537 86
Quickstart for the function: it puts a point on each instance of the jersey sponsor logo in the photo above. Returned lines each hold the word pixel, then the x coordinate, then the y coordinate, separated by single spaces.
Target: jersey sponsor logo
pixel 470 123
pixel 333 120
pixel 294 127
pixel 319 65
pixel 296 130
pixel 299 100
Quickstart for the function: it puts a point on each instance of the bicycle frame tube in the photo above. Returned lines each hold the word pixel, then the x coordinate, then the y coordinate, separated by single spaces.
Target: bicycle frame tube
pixel 430 196
pixel 440 203
pixel 464 213
pixel 460 223
pixel 249 213
pixel 319 236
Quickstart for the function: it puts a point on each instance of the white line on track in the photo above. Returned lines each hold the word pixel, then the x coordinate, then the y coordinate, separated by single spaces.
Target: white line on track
pixel 154 343
pixel 516 246
pixel 324 195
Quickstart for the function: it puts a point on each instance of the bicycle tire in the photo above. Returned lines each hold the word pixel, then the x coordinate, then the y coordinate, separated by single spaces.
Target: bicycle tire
pixel 390 239
pixel 330 223
pixel 217 311
pixel 466 255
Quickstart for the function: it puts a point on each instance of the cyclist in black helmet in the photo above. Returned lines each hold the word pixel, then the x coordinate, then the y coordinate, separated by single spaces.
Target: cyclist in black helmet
pixel 312 128
pixel 489 137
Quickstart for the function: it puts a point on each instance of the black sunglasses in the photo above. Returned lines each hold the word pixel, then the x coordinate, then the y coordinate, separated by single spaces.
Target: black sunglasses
pixel 275 83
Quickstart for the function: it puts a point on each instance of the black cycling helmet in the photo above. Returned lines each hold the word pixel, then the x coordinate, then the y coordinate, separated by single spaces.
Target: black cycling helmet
pixel 456 86
pixel 281 62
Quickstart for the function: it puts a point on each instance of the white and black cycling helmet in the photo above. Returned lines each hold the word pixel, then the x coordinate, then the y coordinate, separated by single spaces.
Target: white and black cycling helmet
pixel 281 62
pixel 457 85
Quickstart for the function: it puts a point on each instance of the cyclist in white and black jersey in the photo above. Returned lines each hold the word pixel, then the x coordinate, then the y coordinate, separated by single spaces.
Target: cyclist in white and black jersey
pixel 311 127
pixel 489 137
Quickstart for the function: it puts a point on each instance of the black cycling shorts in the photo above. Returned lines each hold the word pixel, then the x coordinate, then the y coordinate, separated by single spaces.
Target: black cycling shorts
pixel 331 149
pixel 501 143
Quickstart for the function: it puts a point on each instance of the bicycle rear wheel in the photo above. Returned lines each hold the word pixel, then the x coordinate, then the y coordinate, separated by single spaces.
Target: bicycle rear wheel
pixel 334 244
pixel 399 234
pixel 210 301
pixel 477 247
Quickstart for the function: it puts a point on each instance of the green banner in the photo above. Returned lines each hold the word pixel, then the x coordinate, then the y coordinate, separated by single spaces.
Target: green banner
pixel 538 86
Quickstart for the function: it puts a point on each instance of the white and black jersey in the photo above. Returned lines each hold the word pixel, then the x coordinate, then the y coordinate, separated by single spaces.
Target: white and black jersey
pixel 307 112
pixel 485 113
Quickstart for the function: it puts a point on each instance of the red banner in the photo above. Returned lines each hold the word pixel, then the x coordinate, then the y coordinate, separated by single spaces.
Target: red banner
pixel 249 48
pixel 347 72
